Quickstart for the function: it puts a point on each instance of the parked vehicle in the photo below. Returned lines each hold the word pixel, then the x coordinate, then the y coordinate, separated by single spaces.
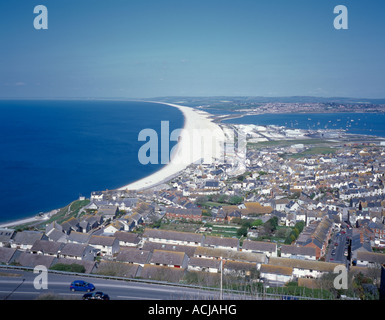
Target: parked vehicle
pixel 80 285
pixel 96 296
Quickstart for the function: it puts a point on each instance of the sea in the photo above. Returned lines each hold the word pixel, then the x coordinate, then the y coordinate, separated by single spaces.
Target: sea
pixel 372 124
pixel 53 151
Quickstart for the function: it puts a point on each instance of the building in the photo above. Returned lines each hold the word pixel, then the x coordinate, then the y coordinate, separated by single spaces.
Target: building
pixel 267 248
pixel 173 237
pixel 276 274
pixel 105 245
pixel 370 259
pixel 316 235
pixel 134 256
pixel 221 243
pixel 24 240
pixel 297 252
pixel 204 264
pixel 181 213
pixel 46 247
pixel 77 251
pixel 108 211
pixel 304 268
pixel 169 259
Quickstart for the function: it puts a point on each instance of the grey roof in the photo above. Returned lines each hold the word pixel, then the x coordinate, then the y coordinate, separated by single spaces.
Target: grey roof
pixel 46 247
pixel 303 264
pixel 173 235
pixel 7 254
pixel 230 255
pixel 371 257
pixel 259 246
pixel 32 260
pixel 204 263
pixel 56 235
pixel 298 250
pixel 27 237
pixel 212 183
pixel 167 257
pixel 182 211
pixel 133 255
pixel 53 225
pixel 107 210
pixel 78 237
pixel 239 266
pixel 223 242
pixel 6 234
pixel 127 237
pixel 151 246
pixel 102 240
pixel 73 249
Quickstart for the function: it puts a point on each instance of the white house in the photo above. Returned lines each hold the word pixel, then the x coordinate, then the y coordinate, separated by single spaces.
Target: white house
pixel 106 245
pixel 204 264
pixel 276 274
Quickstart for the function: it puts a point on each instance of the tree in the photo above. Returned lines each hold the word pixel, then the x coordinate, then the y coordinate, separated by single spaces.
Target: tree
pixel 271 225
pixel 223 198
pixel 242 231
pixel 257 223
pixel 235 200
pixel 200 201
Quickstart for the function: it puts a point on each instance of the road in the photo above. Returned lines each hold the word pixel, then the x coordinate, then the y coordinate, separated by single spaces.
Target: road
pixel 18 285
pixel 338 245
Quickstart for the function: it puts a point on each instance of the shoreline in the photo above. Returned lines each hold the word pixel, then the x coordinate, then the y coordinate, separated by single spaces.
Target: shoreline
pixel 37 218
pixel 197 124
pixel 194 119
pixel 185 154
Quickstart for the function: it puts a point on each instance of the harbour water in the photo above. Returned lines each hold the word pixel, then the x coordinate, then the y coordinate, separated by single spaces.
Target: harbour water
pixel 355 123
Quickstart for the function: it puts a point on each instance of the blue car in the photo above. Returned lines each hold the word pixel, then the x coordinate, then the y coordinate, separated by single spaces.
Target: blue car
pixel 80 285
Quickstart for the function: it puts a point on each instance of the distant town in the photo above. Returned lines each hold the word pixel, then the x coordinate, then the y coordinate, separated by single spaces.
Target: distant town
pixel 275 217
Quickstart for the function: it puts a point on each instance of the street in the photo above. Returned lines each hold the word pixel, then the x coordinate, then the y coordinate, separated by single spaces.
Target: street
pixel 18 285
pixel 338 247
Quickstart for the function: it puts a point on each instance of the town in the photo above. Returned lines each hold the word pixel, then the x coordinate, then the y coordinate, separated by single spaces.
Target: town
pixel 275 217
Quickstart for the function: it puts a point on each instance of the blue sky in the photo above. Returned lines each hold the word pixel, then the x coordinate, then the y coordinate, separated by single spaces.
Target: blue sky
pixel 144 49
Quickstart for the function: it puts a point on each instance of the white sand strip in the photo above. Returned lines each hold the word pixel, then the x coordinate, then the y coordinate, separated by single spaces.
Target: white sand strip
pixel 201 140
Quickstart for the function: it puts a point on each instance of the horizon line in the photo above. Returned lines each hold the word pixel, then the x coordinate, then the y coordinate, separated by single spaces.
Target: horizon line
pixel 190 97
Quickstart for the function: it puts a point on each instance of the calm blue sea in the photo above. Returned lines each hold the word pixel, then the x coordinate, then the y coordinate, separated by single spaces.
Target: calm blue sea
pixel 53 151
pixel 355 123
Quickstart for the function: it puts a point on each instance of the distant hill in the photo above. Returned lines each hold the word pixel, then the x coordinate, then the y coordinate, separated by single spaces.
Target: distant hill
pixel 197 101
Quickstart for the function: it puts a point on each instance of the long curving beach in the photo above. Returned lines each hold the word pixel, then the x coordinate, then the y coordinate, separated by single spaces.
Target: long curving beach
pixel 200 141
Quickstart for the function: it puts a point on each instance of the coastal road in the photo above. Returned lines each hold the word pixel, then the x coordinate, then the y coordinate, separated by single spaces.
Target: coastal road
pixel 18 285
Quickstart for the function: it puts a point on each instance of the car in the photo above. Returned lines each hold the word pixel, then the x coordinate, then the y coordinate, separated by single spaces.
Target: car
pixel 98 295
pixel 80 285
pixel 333 252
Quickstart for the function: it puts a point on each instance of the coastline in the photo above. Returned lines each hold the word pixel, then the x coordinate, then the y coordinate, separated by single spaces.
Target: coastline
pixel 200 139
pixel 36 218
pixel 187 151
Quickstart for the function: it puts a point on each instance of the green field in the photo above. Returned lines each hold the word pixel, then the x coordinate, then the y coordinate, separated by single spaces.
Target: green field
pixel 285 143
pixel 313 151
